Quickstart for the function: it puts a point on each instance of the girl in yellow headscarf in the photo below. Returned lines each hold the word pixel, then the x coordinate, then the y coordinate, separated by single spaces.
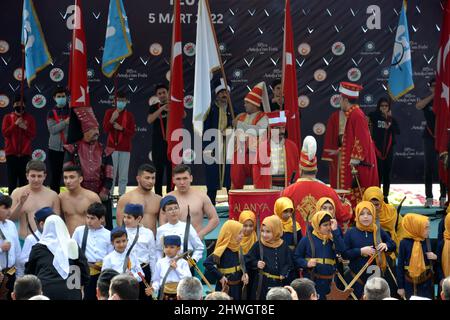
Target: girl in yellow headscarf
pixel 443 250
pixel 284 208
pixel 360 244
pixel 248 220
pixel 390 221
pixel 316 254
pixel 413 264
pixel 224 263
pixel 276 266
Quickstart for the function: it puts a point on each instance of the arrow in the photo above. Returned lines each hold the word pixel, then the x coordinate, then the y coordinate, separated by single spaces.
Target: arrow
pixel 364 29
pixel 438 28
pixel 336 28
pixel 96 59
pixel 167 62
pixel 353 12
pixel 380 62
pixel 310 30
pixel 384 87
pixel 96 16
pixel 249 63
pixel 418 9
pixel 251 12
pixel 107 89
pixel 6 62
pixel 232 31
pixel 325 60
pixel 392 30
pixel 354 62
pixel 300 64
pixel 143 61
pixel 428 61
pixel 37 88
pixel 63 15
pixel 310 89
pixel 306 12
pixel 414 28
pixel 12 88
pixel 121 61
pixel 260 30
pixel 267 14
pixel 231 11
pixel 329 13
pixel 133 89
pixel 275 62
pixel 396 12
pixel 335 88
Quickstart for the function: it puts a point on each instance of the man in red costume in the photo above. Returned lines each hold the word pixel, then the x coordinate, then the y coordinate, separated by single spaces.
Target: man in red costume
pixel 95 160
pixel 358 162
pixel 332 145
pixel 276 171
pixel 307 190
pixel 250 126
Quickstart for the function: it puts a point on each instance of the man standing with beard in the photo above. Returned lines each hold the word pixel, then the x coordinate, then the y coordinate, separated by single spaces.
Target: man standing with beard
pixel 144 196
pixel 76 200
pixel 86 152
pixel 58 127
pixel 158 114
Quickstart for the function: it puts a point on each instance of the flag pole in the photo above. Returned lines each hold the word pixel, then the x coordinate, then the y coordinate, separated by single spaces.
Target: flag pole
pixel 230 104
pixel 22 81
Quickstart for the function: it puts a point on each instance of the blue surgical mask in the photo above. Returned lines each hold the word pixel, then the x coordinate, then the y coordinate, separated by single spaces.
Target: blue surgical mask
pixel 121 104
pixel 61 101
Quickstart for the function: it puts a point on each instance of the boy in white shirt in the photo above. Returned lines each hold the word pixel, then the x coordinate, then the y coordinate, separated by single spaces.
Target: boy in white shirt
pixel 174 226
pixel 179 269
pixel 39 217
pixel 94 241
pixel 144 248
pixel 9 248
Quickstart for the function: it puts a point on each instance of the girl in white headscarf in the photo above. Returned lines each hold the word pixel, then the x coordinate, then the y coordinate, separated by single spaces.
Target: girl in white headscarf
pixel 58 262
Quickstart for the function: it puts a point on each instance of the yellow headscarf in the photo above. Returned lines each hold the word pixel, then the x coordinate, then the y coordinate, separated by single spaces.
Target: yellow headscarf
pixel 315 222
pixel 322 201
pixel 414 226
pixel 227 237
pixel 446 249
pixel 248 241
pixel 274 224
pixel 388 214
pixel 281 205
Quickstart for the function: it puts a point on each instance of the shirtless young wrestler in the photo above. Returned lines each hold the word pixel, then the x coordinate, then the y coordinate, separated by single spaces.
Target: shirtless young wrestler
pixel 199 203
pixel 32 197
pixel 76 200
pixel 143 195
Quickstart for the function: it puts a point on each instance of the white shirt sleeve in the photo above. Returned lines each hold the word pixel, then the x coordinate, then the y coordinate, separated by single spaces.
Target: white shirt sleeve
pixel 25 254
pixel 156 276
pixel 183 270
pixel 158 244
pixel 152 251
pixel 107 262
pixel 16 243
pixel 196 243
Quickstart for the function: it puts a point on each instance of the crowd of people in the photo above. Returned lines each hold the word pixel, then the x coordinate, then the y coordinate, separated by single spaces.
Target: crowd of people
pixel 340 242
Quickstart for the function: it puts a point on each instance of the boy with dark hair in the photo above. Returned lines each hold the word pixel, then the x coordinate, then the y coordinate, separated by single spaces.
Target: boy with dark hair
pixel 143 195
pixel 103 283
pixel 58 127
pixel 19 130
pixel 120 127
pixel 39 217
pixel 121 259
pixel 94 241
pixel 124 287
pixel 26 287
pixel 305 288
pixel 179 269
pixel 142 242
pixel 9 249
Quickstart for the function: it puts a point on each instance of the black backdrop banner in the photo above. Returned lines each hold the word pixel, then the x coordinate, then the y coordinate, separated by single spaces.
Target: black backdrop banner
pixel 342 40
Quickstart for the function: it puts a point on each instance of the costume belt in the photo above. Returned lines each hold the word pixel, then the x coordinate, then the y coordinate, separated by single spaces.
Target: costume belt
pixel 143 265
pixel 230 270
pixel 170 288
pixel 95 268
pixel 9 271
pixel 323 261
pixel 272 276
pixel 424 277
pixel 234 282
pixel 322 276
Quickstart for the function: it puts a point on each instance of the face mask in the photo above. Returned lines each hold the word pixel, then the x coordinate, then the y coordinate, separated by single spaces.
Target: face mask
pixel 61 101
pixel 121 105
pixel 19 109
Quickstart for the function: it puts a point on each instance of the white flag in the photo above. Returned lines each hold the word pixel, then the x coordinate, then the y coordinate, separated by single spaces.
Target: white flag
pixel 206 62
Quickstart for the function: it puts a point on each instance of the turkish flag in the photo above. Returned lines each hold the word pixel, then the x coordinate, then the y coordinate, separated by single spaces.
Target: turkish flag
pixel 176 105
pixel 289 80
pixel 441 102
pixel 78 83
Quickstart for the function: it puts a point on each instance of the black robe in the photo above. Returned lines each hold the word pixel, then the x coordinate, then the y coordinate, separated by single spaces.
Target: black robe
pixel 54 286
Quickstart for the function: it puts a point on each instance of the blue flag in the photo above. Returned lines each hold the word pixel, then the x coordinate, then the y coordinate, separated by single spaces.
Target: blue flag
pixel 37 56
pixel 400 73
pixel 117 39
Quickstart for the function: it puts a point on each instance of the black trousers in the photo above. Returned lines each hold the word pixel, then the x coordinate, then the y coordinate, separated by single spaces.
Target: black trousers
pixel 148 278
pixel 162 165
pixel 108 216
pixel 9 287
pixel 16 171
pixel 431 167
pixel 90 291
pixel 55 164
pixel 384 171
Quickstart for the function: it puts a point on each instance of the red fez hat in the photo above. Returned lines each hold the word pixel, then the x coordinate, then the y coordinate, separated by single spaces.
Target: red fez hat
pixel 350 90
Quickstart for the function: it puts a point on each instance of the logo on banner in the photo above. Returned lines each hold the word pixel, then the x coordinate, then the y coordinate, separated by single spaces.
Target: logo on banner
pixel 2 156
pixel 369 46
pixel 222 47
pixel 338 48
pixel 18 74
pixel 319 128
pixel 4 101
pixel 304 49
pixel 237 74
pixel 335 101
pixel 4 46
pixel 56 74
pixel 90 73
pixel 39 101
pixel 188 101
pixel 368 99
pixel 189 49
pixel 155 49
pixel 303 101
pixel 385 72
pixel 354 74
pixel 39 154
pixel 320 75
